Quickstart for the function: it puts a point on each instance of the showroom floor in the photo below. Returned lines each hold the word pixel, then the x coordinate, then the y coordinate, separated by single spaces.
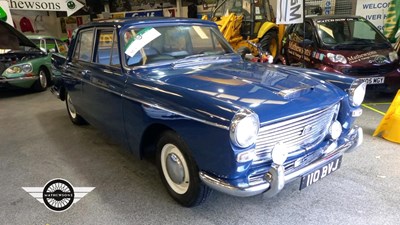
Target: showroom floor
pixel 39 143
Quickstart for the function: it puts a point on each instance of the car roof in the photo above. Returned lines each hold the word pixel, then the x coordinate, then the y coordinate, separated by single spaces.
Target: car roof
pixel 41 37
pixel 145 20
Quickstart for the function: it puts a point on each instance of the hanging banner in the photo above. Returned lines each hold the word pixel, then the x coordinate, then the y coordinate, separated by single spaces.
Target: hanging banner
pixel 5 14
pixel 375 11
pixel 289 12
pixel 69 6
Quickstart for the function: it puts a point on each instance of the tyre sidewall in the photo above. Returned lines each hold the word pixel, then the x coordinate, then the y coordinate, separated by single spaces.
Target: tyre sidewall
pixel 78 120
pixel 38 85
pixel 190 197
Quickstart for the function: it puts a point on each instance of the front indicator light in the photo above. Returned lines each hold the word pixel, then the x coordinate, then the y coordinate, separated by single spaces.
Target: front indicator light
pixel 357 113
pixel 246 156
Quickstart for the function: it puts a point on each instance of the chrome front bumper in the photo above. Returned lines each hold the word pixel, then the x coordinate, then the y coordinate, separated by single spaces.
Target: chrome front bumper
pixel 7 80
pixel 275 179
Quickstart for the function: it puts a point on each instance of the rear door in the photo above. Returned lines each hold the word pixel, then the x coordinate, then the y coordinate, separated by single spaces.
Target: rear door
pixel 104 83
pixel 73 71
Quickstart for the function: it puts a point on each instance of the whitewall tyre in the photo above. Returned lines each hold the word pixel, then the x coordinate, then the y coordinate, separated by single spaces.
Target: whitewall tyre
pixel 179 172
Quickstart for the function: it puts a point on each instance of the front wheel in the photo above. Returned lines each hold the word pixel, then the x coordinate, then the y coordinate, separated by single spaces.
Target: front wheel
pixel 41 83
pixel 179 172
pixel 73 115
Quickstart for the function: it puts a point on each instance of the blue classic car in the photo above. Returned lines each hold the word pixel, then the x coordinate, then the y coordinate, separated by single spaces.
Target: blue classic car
pixel 175 90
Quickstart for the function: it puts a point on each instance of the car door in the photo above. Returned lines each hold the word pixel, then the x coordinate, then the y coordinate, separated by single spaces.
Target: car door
pixel 300 45
pixel 75 68
pixel 104 83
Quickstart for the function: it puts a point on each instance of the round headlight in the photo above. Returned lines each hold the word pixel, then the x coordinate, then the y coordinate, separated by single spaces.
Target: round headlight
pixel 26 68
pixel 357 92
pixel 244 128
pixel 337 58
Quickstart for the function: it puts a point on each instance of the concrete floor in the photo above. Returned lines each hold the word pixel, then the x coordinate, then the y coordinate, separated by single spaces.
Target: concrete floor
pixel 39 143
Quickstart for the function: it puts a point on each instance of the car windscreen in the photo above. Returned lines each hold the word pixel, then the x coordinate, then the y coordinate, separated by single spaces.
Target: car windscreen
pixel 350 34
pixel 148 45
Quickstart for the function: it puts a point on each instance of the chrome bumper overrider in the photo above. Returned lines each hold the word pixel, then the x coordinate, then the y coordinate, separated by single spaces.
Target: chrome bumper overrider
pixel 55 92
pixel 275 178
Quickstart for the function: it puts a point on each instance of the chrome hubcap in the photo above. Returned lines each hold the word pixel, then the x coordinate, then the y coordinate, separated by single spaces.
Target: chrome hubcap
pixel 42 79
pixel 175 169
pixel 71 108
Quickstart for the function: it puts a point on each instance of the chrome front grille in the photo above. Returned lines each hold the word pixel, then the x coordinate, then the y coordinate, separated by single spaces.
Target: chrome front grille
pixel 299 133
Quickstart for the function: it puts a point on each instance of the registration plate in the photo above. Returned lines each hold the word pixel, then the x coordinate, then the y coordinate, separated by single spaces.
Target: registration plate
pixel 373 80
pixel 320 173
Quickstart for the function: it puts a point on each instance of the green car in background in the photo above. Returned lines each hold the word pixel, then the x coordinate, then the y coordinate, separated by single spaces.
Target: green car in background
pixel 22 63
pixel 49 44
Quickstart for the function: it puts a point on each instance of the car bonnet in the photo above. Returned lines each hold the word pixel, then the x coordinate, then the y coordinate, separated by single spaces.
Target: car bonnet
pixel 271 92
pixel 12 38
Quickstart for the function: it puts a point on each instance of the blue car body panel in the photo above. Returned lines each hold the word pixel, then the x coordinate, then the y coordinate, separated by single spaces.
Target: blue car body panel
pixel 198 98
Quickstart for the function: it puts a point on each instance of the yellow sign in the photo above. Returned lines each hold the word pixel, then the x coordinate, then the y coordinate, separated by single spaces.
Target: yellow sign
pixel 390 123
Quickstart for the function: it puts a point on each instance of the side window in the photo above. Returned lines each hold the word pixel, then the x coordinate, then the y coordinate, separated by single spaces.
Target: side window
pixel 43 44
pixel 84 46
pixel 104 46
pixel 62 47
pixel 309 32
pixel 51 45
pixel 298 33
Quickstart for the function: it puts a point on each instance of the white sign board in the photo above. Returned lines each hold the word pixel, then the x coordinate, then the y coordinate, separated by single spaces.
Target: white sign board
pixel 373 10
pixel 290 11
pixel 5 14
pixel 69 6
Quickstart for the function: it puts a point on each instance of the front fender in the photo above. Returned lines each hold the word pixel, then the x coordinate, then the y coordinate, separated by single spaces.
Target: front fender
pixel 41 61
pixel 267 26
